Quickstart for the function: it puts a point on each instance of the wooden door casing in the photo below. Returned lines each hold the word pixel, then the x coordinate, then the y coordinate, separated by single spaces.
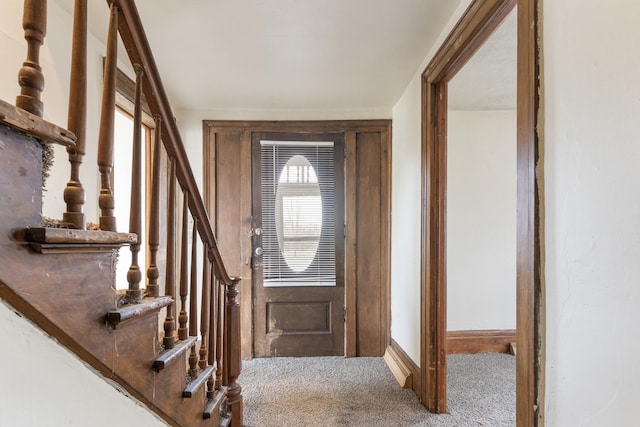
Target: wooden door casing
pixel 227 190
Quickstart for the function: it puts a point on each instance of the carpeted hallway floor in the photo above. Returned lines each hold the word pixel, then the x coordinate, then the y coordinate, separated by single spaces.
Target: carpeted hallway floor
pixel 334 391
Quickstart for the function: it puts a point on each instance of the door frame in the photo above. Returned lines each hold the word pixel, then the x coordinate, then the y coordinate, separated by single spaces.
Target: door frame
pixel 476 25
pixel 351 129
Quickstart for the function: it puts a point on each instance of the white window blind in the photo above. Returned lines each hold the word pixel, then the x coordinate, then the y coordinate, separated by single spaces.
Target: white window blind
pixel 298 213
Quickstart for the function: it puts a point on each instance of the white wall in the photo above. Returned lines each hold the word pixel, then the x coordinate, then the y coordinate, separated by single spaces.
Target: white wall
pixel 405 207
pixel 592 212
pixel 481 220
pixel 591 206
pixel 43 384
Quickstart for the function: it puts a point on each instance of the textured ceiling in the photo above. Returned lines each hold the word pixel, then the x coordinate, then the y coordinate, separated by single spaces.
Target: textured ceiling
pixel 489 80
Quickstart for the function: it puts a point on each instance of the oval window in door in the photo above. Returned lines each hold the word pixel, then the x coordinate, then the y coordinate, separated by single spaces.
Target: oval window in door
pixel 298 213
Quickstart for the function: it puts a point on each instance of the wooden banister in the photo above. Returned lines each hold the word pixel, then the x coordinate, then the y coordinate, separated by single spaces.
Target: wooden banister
pixel 215 359
pixel 137 46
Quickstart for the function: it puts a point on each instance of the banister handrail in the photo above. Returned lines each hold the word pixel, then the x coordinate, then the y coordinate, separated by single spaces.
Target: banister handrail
pixel 139 51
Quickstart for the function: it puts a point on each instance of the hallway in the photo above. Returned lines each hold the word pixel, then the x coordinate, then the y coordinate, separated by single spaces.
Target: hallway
pixel 335 391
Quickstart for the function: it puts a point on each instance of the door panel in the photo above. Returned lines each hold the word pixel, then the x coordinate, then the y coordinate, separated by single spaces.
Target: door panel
pixel 297 313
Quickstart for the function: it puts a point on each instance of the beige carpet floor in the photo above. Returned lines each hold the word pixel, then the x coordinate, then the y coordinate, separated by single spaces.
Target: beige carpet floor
pixel 335 391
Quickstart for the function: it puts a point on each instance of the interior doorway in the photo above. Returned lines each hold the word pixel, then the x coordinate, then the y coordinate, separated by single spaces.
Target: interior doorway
pixel 479 21
pixel 228 168
pixel 298 244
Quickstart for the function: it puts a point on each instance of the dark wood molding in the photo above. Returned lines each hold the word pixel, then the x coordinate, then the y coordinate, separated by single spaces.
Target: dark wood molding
pixel 350 254
pixel 352 130
pixel 529 317
pixel 300 125
pixel 478 23
pixel 480 341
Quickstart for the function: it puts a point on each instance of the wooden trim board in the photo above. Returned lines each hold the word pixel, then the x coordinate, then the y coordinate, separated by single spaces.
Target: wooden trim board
pixel 480 341
pixel 479 21
pixel 403 368
pixel 357 139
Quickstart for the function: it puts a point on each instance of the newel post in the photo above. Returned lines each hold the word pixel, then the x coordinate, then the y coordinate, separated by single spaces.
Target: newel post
pixel 232 355
pixel 30 77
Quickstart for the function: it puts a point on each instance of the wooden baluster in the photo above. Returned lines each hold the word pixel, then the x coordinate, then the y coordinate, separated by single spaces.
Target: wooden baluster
pixel 169 339
pixel 193 289
pixel 105 139
pixel 193 300
pixel 134 275
pixel 182 318
pixel 77 118
pixel 219 342
pixel 212 331
pixel 30 77
pixel 232 356
pixel 204 315
pixel 153 272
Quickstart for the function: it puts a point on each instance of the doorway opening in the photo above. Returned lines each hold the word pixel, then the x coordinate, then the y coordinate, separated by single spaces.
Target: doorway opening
pixel 479 21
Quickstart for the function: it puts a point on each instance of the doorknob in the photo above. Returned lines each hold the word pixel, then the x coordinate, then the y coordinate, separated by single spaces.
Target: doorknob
pixel 259 251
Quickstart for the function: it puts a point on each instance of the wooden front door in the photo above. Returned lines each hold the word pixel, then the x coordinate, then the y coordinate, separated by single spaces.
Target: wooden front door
pixel 298 244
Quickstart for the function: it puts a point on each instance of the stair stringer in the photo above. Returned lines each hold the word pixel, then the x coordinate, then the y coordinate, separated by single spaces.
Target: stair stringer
pixel 68 295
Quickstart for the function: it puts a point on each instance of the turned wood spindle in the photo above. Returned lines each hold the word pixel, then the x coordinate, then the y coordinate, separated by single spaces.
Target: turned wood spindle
pixel 219 341
pixel 169 326
pixel 193 299
pixel 134 275
pixel 30 77
pixel 153 272
pixel 74 195
pixel 107 117
pixel 204 315
pixel 183 332
pixel 213 331
pixel 193 288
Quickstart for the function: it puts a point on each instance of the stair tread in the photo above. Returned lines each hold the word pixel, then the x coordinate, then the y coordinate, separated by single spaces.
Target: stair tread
pixel 197 382
pixel 131 311
pixel 168 356
pixel 216 402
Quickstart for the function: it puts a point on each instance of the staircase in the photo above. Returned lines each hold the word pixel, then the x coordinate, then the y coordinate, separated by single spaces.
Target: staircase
pixel 171 341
